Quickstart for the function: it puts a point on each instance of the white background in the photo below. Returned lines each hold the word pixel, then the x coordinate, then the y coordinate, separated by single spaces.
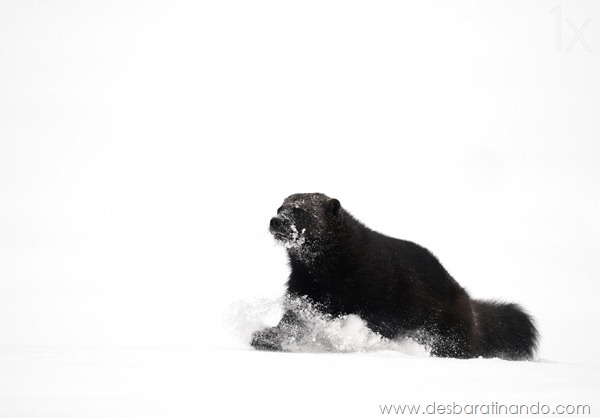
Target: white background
pixel 144 147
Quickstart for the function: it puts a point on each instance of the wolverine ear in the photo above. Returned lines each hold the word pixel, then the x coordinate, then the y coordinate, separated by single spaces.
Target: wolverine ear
pixel 334 206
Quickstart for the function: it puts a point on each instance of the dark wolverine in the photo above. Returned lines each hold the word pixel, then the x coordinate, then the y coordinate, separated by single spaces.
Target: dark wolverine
pixel 397 287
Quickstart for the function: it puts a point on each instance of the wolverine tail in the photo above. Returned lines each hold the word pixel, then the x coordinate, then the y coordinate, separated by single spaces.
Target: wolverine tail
pixel 504 330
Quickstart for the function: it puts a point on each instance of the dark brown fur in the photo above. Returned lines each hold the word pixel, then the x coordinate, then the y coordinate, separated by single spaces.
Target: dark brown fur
pixel 398 287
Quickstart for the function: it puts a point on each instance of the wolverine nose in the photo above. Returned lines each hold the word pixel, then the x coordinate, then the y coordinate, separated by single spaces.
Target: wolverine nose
pixel 276 222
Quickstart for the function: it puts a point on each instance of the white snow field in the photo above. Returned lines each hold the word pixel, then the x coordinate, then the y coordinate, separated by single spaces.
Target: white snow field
pixel 145 145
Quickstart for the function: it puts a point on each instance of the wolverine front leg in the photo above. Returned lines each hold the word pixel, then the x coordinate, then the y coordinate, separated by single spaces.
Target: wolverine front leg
pixel 272 339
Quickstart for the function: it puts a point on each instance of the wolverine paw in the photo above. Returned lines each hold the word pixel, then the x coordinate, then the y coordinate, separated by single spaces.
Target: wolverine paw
pixel 266 340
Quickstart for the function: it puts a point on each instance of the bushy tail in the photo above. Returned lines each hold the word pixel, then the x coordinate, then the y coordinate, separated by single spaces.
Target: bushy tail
pixel 504 330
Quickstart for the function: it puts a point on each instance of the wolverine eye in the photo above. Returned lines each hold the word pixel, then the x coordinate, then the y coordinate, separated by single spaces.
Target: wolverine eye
pixel 297 211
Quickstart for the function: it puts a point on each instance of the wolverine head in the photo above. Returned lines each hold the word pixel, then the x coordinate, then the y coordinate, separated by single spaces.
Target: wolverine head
pixel 304 218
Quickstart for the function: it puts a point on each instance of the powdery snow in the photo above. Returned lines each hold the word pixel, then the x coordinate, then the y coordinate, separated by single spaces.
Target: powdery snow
pixel 322 333
pixel 144 147
pixel 197 381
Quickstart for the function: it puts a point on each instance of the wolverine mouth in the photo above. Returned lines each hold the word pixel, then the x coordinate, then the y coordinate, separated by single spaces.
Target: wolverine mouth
pixel 290 240
pixel 281 236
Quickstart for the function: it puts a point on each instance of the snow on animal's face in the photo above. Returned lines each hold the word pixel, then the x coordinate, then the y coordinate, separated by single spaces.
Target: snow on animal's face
pixel 302 218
